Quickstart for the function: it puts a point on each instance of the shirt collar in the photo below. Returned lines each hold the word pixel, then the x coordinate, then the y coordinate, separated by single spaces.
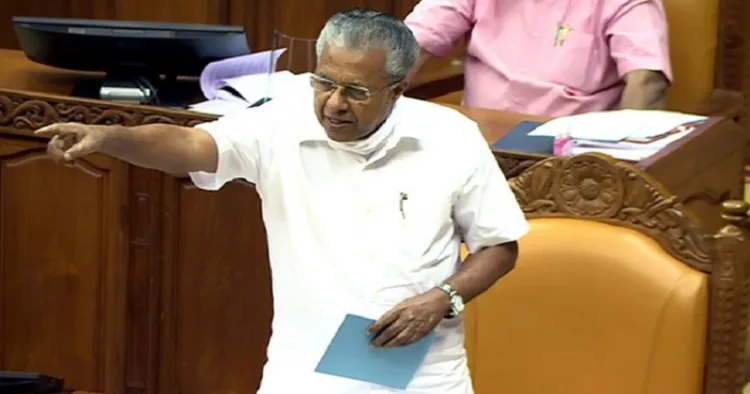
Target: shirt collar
pixel 318 134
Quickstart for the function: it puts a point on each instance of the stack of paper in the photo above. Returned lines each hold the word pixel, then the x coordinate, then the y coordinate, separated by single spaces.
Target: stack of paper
pixel 251 90
pixel 625 134
pixel 220 74
pixel 246 81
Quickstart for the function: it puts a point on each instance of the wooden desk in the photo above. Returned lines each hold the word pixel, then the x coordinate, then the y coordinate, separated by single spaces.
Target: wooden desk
pixel 127 280
pixel 18 72
pixel 702 169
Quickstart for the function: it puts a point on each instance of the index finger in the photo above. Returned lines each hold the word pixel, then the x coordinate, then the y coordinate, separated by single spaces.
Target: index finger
pixel 61 129
pixel 384 321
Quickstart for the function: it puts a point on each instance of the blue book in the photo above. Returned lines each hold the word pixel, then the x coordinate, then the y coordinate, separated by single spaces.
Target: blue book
pixel 519 140
pixel 350 356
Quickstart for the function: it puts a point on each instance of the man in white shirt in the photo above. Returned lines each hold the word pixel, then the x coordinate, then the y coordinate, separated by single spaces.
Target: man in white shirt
pixel 366 197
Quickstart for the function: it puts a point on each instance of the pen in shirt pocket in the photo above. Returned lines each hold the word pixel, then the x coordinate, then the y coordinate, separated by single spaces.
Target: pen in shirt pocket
pixel 402 197
pixel 561 33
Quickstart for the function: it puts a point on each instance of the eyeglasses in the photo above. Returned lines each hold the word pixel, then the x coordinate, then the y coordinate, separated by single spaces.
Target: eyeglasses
pixel 353 93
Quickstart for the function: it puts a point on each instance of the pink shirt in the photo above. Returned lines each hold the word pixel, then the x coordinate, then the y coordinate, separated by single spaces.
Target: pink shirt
pixel 516 64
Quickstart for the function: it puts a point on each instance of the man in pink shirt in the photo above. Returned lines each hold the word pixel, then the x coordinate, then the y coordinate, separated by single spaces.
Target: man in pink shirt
pixel 552 57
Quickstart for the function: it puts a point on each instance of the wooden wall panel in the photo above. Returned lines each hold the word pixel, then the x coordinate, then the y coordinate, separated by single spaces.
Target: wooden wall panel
pixel 99 9
pixel 402 8
pixel 178 11
pixel 316 12
pixel 260 17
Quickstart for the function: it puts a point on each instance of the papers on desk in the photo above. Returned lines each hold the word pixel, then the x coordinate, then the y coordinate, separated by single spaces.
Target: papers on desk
pixel 625 134
pixel 217 107
pixel 349 355
pixel 253 90
pixel 234 84
pixel 225 73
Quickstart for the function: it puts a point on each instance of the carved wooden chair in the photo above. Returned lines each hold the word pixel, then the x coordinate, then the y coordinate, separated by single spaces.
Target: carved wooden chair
pixel 708 42
pixel 615 290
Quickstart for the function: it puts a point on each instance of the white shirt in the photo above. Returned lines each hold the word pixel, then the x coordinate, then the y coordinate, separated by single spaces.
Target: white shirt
pixel 338 241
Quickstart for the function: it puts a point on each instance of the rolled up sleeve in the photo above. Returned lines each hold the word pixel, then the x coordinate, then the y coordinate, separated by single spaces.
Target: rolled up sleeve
pixel 638 37
pixel 486 211
pixel 438 24
pixel 240 143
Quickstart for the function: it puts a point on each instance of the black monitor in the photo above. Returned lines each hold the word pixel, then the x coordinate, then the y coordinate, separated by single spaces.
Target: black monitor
pixel 140 59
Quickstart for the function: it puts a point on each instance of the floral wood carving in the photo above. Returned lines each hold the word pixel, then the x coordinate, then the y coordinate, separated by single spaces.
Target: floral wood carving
pixel 600 188
pixel 23 111
pixel 512 166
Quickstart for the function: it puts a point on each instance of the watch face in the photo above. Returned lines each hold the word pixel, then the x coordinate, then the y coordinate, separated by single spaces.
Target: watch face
pixel 458 304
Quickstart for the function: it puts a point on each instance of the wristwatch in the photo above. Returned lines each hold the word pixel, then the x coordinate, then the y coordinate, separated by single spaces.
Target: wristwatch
pixel 457 302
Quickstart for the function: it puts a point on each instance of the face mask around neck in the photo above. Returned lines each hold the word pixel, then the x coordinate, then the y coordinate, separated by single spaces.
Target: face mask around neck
pixel 367 146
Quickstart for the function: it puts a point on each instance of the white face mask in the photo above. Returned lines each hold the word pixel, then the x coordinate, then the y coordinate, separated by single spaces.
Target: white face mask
pixel 367 146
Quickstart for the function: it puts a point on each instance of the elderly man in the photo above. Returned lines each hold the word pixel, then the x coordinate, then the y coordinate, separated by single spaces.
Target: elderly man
pixel 552 57
pixel 366 196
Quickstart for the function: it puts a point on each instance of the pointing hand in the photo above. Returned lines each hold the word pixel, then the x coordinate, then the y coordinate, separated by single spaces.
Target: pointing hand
pixel 69 141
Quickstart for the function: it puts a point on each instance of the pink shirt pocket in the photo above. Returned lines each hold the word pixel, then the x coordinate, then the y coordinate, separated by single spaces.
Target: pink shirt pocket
pixel 575 62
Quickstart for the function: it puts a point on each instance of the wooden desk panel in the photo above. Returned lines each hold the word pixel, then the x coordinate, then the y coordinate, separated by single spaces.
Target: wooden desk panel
pixel 180 299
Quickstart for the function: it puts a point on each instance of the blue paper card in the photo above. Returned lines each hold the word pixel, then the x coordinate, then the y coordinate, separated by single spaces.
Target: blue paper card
pixel 350 356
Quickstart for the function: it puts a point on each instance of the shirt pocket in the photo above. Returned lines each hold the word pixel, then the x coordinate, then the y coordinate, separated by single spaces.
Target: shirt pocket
pixel 424 222
pixel 571 62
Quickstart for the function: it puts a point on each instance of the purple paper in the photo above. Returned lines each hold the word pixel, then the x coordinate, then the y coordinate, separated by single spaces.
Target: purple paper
pixel 215 74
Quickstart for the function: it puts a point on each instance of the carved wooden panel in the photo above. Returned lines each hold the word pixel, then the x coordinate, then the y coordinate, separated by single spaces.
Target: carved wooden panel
pixel 62 282
pixel 216 295
pixel 733 53
pixel 733 41
pixel 600 188
pixel 30 112
pixel 513 166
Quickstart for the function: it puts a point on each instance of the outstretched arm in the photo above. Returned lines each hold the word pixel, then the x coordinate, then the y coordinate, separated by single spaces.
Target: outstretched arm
pixel 168 148
pixel 235 146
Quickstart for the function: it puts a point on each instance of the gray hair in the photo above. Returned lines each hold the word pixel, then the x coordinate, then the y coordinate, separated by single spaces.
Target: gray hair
pixel 362 30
